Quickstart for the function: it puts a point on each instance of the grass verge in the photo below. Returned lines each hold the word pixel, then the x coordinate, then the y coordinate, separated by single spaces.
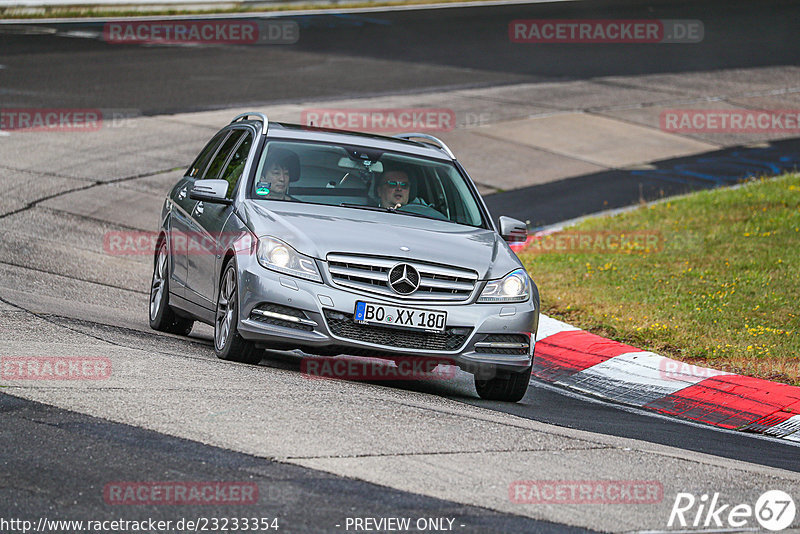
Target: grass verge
pixel 712 278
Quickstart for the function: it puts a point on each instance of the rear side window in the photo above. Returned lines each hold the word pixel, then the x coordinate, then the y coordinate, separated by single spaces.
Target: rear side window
pixel 222 156
pixel 233 170
pixel 201 162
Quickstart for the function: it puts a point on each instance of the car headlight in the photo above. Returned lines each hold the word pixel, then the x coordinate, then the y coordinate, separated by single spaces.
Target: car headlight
pixel 278 256
pixel 513 287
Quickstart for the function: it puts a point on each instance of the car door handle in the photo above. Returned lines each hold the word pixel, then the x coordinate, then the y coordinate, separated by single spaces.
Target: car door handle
pixel 182 193
pixel 199 208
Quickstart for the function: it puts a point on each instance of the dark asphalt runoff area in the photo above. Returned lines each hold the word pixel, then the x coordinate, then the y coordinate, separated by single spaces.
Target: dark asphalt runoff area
pixel 63 461
pixel 348 55
pixel 561 200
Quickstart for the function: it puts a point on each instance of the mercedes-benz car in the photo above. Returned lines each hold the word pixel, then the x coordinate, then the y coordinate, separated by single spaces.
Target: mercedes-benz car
pixel 286 236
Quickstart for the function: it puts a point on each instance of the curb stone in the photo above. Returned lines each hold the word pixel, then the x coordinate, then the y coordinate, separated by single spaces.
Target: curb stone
pixel 576 359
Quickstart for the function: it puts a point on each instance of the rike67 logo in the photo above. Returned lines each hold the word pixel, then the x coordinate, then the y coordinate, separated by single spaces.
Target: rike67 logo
pixel 774 510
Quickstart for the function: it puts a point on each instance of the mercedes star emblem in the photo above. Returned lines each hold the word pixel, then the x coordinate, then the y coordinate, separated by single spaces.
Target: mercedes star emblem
pixel 403 279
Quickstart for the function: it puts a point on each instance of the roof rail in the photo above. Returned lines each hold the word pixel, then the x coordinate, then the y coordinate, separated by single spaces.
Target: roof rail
pixel 431 140
pixel 261 116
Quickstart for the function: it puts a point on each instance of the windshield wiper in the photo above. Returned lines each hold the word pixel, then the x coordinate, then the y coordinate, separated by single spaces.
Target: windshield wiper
pixel 391 210
pixel 365 207
pixel 411 213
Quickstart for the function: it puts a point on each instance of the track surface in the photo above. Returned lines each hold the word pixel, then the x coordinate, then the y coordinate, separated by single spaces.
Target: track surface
pixel 81 454
pixel 407 52
pixel 162 79
pixel 362 54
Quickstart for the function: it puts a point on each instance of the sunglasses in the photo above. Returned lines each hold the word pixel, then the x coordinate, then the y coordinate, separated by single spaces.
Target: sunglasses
pixel 393 183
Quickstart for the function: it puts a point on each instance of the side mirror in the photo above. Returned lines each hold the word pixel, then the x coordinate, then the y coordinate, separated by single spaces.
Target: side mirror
pixel 512 230
pixel 210 191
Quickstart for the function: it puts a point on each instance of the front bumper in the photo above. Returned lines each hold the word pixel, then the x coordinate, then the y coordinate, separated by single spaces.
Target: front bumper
pixel 319 318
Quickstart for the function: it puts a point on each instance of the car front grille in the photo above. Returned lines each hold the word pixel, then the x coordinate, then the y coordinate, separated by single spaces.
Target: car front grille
pixel 371 273
pixel 503 344
pixel 343 326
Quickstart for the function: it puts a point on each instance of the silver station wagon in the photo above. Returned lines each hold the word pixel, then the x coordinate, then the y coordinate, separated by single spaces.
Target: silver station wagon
pixel 293 237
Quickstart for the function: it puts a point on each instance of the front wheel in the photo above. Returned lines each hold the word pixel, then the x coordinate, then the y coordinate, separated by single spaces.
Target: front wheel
pixel 162 317
pixel 507 386
pixel 228 344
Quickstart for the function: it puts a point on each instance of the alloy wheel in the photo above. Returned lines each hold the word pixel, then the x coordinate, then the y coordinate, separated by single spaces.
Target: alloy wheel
pixel 159 280
pixel 225 309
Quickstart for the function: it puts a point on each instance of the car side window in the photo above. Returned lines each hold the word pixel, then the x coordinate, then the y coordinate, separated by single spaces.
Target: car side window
pixel 222 156
pixel 201 162
pixel 236 164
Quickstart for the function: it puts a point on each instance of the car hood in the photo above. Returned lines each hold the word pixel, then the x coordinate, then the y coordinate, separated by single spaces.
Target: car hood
pixel 316 230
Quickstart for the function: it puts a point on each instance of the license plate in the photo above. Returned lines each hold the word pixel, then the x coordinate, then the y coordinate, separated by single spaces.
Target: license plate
pixel 400 317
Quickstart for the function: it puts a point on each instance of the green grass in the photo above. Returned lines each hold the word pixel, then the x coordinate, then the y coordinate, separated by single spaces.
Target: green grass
pixel 721 290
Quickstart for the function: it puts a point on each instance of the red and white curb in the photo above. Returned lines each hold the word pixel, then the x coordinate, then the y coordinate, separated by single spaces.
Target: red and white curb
pixel 585 362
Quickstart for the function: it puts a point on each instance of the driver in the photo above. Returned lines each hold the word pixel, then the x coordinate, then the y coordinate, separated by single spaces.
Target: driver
pixel 393 188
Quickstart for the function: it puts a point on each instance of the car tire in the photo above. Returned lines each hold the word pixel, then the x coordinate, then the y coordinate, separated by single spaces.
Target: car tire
pixel 506 386
pixel 228 344
pixel 162 317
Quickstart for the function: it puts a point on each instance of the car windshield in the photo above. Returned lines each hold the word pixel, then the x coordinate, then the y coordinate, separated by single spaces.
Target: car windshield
pixel 364 178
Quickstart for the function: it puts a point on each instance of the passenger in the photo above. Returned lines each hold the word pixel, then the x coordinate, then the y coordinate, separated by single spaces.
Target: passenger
pixel 281 168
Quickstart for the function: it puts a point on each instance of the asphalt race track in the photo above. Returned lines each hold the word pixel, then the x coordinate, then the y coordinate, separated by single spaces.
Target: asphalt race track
pixel 80 453
pixel 321 452
pixel 340 56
